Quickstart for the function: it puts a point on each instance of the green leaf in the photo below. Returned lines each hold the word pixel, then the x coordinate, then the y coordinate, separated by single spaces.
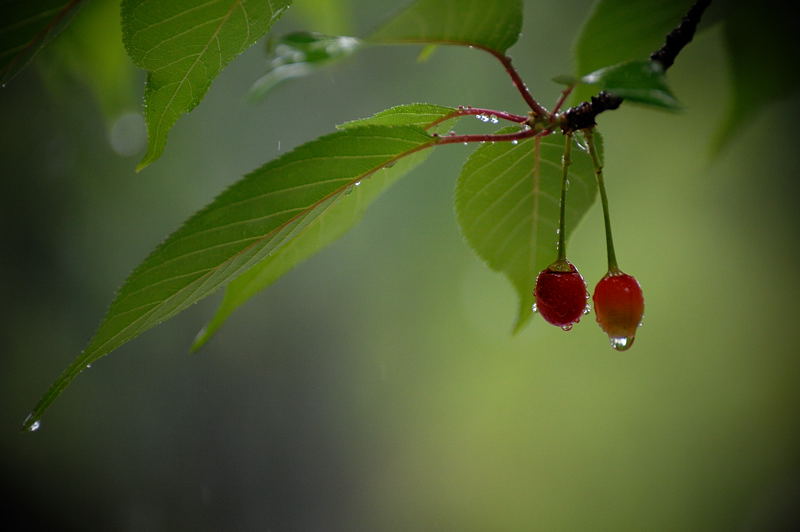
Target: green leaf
pixel 334 17
pixel 299 54
pixel 184 44
pixel 493 26
pixel 622 30
pixel 306 195
pixel 636 81
pixel 335 221
pixel 566 79
pixel 507 202
pixel 415 114
pixel 28 26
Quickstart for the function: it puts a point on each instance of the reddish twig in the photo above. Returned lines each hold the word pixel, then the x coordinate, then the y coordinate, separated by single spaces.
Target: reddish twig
pixel 564 95
pixel 478 111
pixel 505 137
pixel 519 84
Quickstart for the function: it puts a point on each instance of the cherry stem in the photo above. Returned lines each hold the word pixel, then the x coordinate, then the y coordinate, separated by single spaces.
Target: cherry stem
pixel 564 95
pixel 562 222
pixel 478 111
pixel 598 172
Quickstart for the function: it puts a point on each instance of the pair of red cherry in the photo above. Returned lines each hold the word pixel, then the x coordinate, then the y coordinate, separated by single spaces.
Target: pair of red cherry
pixel 618 302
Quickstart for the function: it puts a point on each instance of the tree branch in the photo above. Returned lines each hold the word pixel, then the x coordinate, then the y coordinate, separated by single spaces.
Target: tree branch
pixel 583 116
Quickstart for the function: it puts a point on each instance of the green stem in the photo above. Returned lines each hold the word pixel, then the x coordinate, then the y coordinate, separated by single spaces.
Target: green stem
pixel 598 172
pixel 562 233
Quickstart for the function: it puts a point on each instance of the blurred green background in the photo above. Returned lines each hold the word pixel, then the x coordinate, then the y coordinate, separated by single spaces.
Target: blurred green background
pixel 377 386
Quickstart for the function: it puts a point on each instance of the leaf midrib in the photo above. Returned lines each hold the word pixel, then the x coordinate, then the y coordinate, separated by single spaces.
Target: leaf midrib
pixel 268 235
pixel 196 61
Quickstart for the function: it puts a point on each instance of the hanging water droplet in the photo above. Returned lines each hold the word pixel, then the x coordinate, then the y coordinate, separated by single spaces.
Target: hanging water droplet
pixel 33 425
pixel 494 119
pixel 587 310
pixel 621 343
pixel 567 327
pixel 466 144
pixel 358 183
pixel 515 142
pixel 534 308
pixel 88 366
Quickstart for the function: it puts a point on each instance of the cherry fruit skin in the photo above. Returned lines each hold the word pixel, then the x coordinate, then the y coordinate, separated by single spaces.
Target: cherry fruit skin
pixel 619 307
pixel 561 294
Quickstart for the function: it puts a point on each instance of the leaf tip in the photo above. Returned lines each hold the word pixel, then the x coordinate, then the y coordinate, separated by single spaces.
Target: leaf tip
pixel 202 338
pixel 148 158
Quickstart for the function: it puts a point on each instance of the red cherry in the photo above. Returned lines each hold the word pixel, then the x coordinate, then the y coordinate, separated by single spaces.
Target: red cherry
pixel 619 307
pixel 561 294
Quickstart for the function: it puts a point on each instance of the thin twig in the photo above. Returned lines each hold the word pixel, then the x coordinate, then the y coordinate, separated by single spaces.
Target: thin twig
pixel 505 137
pixel 478 111
pixel 583 116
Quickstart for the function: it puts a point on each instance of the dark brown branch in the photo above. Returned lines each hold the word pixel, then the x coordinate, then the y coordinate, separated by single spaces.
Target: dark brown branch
pixel 680 36
pixel 583 116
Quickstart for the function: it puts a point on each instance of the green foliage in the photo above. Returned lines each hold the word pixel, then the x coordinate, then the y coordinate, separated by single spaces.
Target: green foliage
pixel 623 30
pixel 287 210
pixel 300 53
pixel 274 217
pixel 636 81
pixel 415 114
pixel 184 44
pixel 333 17
pixel 335 220
pixel 490 25
pixel 507 201
pixel 26 27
